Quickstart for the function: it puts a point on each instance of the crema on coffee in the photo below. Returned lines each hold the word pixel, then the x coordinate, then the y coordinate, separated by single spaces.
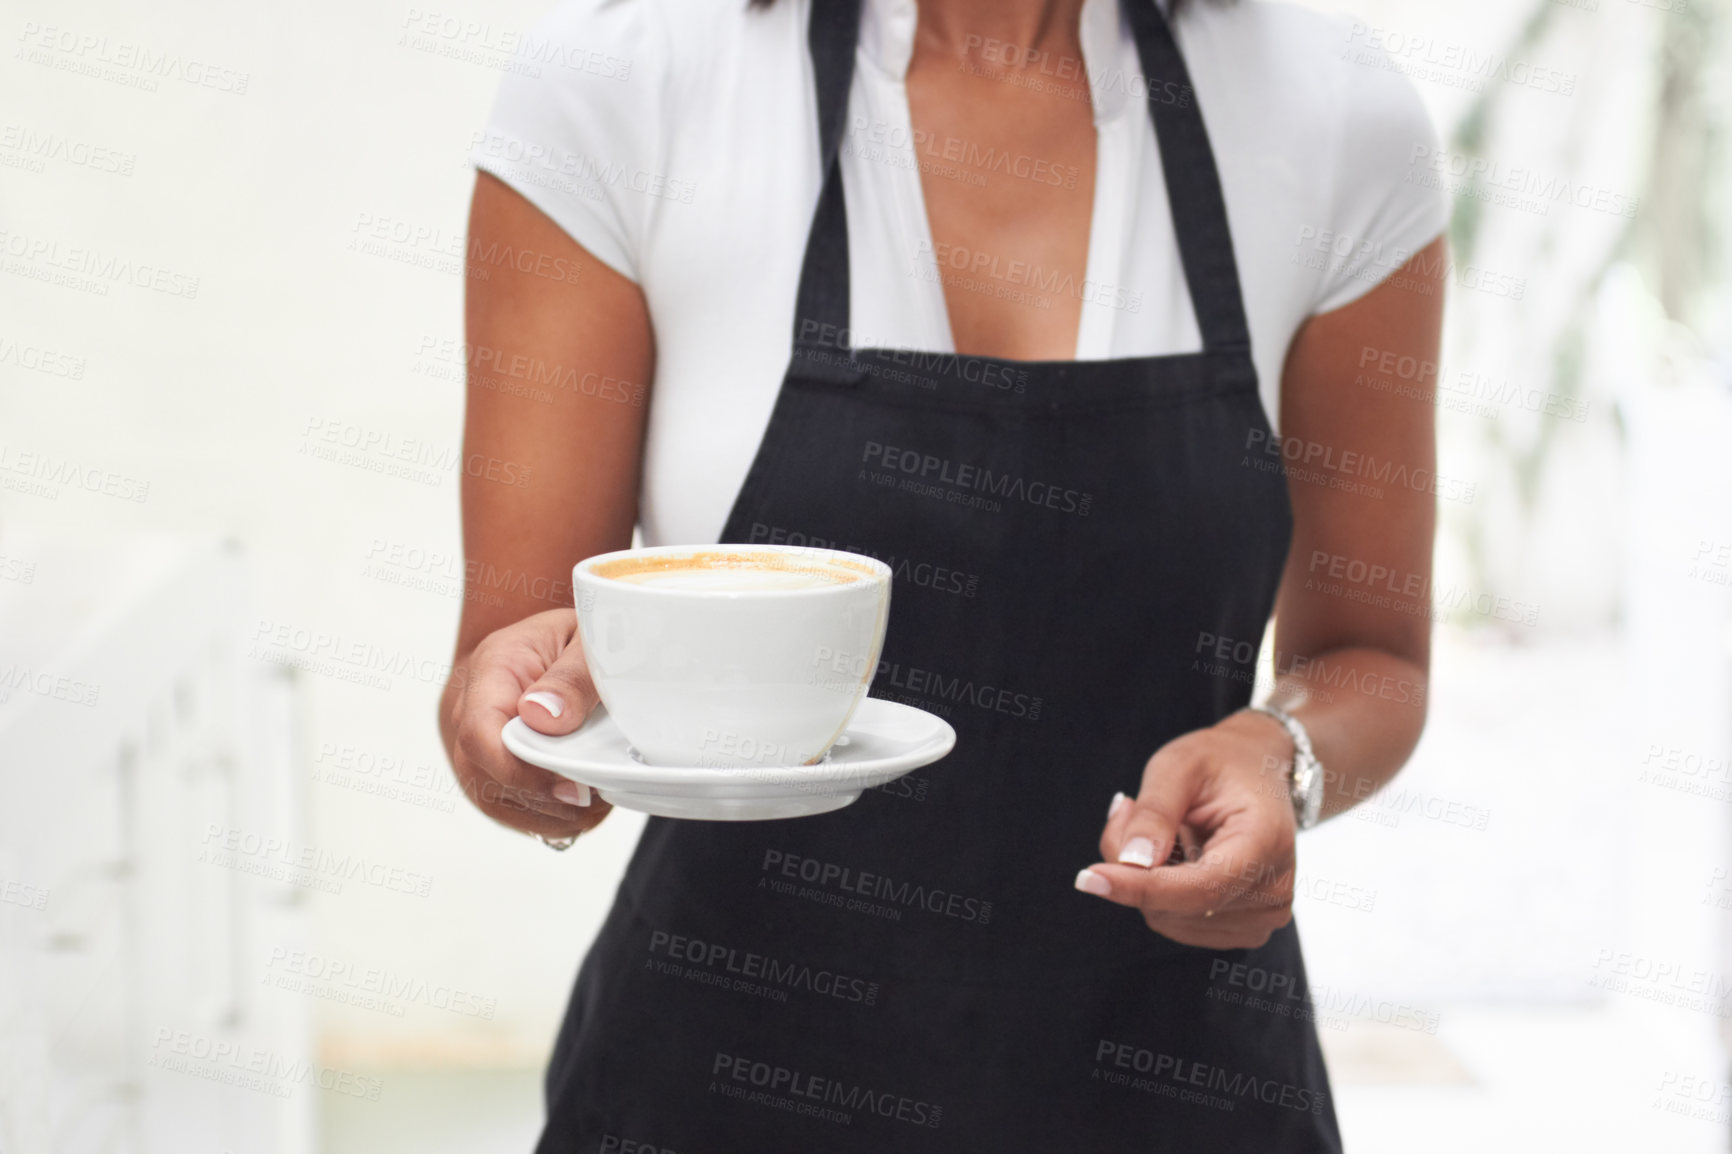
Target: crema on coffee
pixel 723 571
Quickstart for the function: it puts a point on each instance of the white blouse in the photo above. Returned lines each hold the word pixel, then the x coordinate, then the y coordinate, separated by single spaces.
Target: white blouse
pixel 676 140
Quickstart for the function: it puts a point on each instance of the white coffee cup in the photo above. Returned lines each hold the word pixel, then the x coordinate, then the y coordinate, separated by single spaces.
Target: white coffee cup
pixel 731 655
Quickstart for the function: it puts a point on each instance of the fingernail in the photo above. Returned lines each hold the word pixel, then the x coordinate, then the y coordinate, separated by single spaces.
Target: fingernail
pixel 1138 851
pixel 1089 882
pixel 1119 800
pixel 572 793
pixel 547 701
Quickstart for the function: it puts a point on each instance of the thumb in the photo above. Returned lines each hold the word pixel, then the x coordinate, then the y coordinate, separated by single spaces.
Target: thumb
pixel 562 698
pixel 1147 827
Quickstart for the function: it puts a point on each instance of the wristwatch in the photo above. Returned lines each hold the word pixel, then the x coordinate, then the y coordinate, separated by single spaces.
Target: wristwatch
pixel 1306 784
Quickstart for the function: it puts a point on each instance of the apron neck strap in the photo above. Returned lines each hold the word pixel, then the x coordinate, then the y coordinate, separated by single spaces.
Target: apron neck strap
pixel 1187 161
pixel 823 300
pixel 1193 183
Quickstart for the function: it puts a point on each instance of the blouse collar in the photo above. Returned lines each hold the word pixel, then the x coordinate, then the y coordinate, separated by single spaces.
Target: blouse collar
pixel 887 40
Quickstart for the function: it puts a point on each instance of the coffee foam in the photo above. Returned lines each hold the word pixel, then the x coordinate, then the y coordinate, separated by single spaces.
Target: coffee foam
pixel 722 572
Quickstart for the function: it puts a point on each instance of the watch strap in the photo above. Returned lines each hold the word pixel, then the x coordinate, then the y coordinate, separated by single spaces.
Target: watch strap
pixel 1305 785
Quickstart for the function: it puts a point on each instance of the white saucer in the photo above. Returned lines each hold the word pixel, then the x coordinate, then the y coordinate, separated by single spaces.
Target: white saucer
pixel 884 741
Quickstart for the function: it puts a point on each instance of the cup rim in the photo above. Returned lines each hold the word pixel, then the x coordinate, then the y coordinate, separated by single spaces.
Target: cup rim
pixel 880 572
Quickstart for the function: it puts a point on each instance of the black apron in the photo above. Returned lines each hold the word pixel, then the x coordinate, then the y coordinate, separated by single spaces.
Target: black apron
pixel 916 972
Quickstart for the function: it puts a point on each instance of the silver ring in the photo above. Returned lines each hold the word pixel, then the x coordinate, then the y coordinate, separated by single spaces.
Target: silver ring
pixel 557 843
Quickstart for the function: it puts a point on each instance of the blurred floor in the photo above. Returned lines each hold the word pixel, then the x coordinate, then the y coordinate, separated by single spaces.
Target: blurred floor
pixel 438 1112
pixel 1525 1080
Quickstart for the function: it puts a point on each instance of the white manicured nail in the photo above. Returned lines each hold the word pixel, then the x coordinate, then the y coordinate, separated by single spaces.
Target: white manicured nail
pixel 547 701
pixel 1089 882
pixel 1119 800
pixel 572 793
pixel 1139 851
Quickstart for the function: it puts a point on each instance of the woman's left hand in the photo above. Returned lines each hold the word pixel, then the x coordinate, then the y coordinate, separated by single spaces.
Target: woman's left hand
pixel 1228 785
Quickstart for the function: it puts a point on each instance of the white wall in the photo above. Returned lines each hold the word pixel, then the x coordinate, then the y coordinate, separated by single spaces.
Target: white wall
pixel 260 195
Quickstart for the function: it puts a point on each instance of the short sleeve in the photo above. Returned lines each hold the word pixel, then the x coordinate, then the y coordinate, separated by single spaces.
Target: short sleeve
pixel 575 124
pixel 1383 208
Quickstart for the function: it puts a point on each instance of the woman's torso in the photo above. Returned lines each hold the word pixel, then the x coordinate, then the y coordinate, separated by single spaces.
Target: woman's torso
pixel 676 140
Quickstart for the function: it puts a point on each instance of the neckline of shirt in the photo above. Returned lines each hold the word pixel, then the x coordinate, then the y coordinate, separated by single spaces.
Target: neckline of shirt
pixel 887 41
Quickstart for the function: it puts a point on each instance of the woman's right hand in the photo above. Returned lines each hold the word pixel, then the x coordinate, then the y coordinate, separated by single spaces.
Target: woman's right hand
pixel 535 670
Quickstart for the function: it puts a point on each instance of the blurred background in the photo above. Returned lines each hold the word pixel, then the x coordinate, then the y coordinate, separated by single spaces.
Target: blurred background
pixel 243 907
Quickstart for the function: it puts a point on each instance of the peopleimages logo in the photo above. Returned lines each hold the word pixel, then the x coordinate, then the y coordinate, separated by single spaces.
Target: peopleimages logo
pixel 1351 463
pixel 1216 656
pixel 42 474
pixel 1217 1085
pixel 38 359
pixel 1386 587
pixel 590 171
pixel 753 971
pixel 813 1088
pixel 40 147
pixel 1330 252
pixel 1043 70
pixel 933 470
pixel 1484 178
pixel 281 859
pixel 927 366
pixel 463 39
pixel 1454 65
pixel 1461 391
pixel 843 672
pixel 17 678
pixel 1021 273
pixel 136 65
pixel 19 894
pixel 924 574
pixel 248 1067
pixel 90 269
pixel 1282 994
pixel 368 987
pixel 959 150
pixel 911 895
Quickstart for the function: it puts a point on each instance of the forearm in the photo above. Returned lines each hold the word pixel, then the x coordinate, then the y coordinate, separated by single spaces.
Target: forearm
pixel 1364 709
pixel 1354 669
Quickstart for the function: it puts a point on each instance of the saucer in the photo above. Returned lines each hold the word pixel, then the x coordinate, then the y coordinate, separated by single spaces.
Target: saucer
pixel 884 741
